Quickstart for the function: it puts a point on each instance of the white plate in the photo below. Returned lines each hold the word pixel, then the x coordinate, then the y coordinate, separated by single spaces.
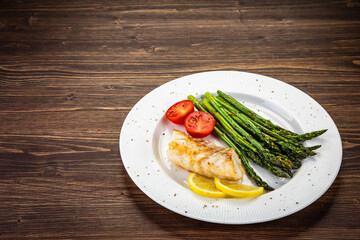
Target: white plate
pixel 146 133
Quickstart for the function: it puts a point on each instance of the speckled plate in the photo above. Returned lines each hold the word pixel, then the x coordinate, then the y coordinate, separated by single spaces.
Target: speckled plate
pixel 146 133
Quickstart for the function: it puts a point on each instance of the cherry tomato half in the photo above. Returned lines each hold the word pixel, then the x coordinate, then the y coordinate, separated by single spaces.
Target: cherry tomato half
pixel 199 124
pixel 178 112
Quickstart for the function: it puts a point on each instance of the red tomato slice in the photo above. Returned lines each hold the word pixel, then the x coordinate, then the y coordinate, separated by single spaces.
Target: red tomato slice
pixel 199 124
pixel 178 112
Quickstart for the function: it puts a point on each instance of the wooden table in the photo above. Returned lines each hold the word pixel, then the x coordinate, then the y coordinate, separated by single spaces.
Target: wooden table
pixel 70 71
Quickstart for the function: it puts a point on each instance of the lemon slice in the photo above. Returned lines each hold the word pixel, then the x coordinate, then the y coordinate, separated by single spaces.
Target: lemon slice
pixel 238 190
pixel 204 186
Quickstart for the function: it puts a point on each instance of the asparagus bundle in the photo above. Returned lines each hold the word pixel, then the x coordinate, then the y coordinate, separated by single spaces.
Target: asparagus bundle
pixel 268 145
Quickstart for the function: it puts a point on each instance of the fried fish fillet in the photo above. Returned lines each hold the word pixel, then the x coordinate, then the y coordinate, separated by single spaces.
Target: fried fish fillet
pixel 204 157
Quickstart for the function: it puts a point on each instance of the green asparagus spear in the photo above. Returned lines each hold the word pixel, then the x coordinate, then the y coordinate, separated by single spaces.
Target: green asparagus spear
pixel 263 138
pixel 268 123
pixel 233 124
pixel 307 136
pixel 197 104
pixel 276 160
pixel 312 148
pixel 252 129
pixel 295 160
pixel 249 170
pixel 293 146
pixel 238 138
pixel 253 115
pixel 272 169
pixel 260 161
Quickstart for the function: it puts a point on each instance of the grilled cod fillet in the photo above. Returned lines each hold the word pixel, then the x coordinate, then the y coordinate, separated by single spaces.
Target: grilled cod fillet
pixel 204 157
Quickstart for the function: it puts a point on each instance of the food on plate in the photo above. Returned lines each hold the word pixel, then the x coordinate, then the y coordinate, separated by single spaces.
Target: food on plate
pixel 235 189
pixel 220 188
pixel 255 138
pixel 199 124
pixel 204 186
pixel 249 136
pixel 204 157
pixel 178 112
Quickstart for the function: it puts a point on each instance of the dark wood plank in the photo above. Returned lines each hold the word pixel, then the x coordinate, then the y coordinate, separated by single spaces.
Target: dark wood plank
pixel 70 71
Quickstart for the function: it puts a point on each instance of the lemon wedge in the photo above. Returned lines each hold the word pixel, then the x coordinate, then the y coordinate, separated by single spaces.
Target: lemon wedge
pixel 238 190
pixel 204 186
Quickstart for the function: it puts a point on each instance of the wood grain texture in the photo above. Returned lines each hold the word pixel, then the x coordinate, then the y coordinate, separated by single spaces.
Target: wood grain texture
pixel 70 71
